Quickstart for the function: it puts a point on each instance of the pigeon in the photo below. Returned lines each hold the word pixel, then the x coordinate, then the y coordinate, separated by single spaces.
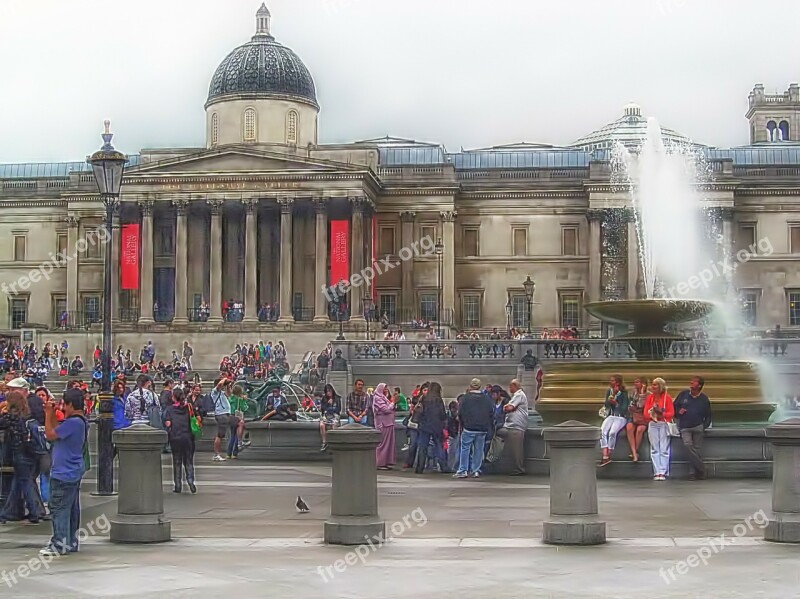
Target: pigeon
pixel 301 505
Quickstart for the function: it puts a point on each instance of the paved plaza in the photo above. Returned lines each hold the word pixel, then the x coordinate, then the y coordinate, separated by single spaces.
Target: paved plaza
pixel 242 536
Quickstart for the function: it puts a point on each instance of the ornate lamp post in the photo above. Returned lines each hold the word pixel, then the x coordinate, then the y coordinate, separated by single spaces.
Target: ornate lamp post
pixel 509 314
pixel 439 251
pixel 369 312
pixel 108 166
pixel 530 288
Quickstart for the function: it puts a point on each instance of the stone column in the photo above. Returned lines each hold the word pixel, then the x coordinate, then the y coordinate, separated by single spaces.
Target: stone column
pixel 285 300
pixel 146 282
pixel 181 262
pixel 354 487
pixel 321 266
pixel 633 257
pixel 784 526
pixel 572 447
pixel 449 265
pixel 407 266
pixel 140 505
pixel 595 253
pixel 73 222
pixel 215 262
pixel 116 265
pixel 358 204
pixel 251 260
pixel 726 214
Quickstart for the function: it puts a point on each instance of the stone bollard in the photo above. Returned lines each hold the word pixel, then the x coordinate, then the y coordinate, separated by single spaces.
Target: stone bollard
pixel 785 440
pixel 354 491
pixel 140 504
pixel 572 447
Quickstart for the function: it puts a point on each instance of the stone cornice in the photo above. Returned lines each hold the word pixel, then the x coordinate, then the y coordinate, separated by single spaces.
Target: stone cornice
pixel 522 259
pixel 755 191
pixel 518 195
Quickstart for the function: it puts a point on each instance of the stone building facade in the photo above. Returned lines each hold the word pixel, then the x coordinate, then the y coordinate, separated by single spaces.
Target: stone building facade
pixel 247 218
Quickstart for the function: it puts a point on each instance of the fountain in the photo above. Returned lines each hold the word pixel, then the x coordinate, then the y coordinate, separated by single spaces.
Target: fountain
pixel 672 251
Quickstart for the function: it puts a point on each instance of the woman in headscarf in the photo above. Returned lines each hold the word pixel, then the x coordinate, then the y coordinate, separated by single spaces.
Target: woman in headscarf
pixel 431 429
pixel 384 411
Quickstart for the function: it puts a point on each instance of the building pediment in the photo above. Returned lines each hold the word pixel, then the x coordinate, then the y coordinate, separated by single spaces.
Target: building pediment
pixel 239 161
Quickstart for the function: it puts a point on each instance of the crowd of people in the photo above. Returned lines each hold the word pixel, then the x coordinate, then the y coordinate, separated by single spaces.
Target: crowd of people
pixel 649 409
pixel 254 360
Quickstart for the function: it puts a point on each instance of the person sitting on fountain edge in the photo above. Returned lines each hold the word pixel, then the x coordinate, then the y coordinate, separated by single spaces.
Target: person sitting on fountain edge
pixel 693 411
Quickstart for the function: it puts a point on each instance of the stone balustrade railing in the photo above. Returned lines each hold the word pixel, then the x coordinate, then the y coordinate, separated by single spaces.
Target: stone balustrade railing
pixel 547 349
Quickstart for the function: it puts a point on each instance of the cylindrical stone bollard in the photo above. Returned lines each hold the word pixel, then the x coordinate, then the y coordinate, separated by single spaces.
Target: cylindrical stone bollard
pixel 785 440
pixel 572 448
pixel 140 503
pixel 354 490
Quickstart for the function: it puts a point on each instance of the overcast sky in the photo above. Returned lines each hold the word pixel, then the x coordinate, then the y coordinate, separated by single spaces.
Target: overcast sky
pixel 461 72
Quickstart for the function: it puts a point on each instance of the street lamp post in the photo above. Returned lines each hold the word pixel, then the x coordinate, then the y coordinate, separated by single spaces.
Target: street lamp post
pixel 369 311
pixel 108 166
pixel 530 288
pixel 439 250
pixel 509 314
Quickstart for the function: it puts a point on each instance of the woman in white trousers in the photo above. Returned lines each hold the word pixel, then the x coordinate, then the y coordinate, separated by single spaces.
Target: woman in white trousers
pixel 616 406
pixel 658 411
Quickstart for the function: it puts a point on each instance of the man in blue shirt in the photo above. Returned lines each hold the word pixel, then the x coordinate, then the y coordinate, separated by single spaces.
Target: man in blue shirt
pixel 68 440
pixel 222 414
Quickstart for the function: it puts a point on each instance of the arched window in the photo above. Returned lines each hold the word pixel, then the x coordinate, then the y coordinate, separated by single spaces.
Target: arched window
pixel 784 129
pixel 249 125
pixel 291 127
pixel 214 129
pixel 771 127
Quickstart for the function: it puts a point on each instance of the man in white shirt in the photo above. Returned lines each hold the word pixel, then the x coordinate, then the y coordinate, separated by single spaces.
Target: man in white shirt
pixel 513 430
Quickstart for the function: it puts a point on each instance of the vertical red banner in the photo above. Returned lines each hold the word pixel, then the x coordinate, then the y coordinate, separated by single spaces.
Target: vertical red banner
pixel 340 251
pixel 129 257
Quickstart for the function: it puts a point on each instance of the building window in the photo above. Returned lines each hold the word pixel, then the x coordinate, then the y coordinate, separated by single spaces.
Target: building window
pixel 291 127
pixel 470 311
pixel 429 307
pixel 747 236
pixel 386 241
pixel 428 232
pixel 749 308
pixel 794 239
pixel 771 128
pixel 61 248
pixel 387 303
pixel 20 247
pixel 794 308
pixel 19 312
pixel 783 128
pixel 91 309
pixel 214 129
pixel 570 309
pixel 166 239
pixel 519 311
pixel 94 247
pixel 471 242
pixel 59 307
pixel 569 241
pixel 520 242
pixel 249 128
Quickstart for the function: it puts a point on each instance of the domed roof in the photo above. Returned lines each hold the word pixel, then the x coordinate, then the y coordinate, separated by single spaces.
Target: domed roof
pixel 262 68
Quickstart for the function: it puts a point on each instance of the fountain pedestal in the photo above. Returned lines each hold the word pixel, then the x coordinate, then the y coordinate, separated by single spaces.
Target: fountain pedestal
pixel 785 440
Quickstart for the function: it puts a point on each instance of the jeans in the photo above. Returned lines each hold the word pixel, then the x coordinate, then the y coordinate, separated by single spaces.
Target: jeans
pixel 22 487
pixel 412 446
pixel 362 421
pixel 609 431
pixel 182 461
pixel 233 441
pixel 453 453
pixel 658 435
pixel 423 443
pixel 693 440
pixel 472 447
pixel 65 509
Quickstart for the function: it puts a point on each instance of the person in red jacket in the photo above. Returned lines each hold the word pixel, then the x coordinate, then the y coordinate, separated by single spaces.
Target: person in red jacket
pixel 658 411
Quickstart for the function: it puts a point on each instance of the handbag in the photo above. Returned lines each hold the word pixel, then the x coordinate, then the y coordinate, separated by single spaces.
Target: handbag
pixel 604 412
pixel 674 431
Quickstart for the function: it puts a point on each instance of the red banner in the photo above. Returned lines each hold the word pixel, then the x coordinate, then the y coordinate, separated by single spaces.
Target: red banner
pixel 340 251
pixel 129 257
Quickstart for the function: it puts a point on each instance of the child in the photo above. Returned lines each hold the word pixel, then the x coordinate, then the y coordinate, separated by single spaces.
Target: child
pixel 239 407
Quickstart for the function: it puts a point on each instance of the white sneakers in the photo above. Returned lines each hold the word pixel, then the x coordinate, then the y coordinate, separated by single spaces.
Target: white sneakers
pixel 219 458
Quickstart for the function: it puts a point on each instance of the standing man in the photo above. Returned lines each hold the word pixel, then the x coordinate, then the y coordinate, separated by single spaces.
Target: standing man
pixel 514 427
pixel 222 413
pixel 693 411
pixel 188 352
pixel 69 439
pixel 475 414
pixel 357 404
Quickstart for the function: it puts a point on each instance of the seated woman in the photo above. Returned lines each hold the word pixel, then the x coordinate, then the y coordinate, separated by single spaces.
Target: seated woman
pixel 616 406
pixel 637 425
pixel 330 413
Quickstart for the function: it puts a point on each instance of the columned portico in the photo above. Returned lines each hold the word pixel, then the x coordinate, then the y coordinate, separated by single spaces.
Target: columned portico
pixel 147 254
pixel 181 261
pixel 215 286
pixel 251 260
pixel 285 302
pixel 321 265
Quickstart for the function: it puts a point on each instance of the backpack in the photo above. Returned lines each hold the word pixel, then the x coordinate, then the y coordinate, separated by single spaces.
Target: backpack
pixel 37 442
